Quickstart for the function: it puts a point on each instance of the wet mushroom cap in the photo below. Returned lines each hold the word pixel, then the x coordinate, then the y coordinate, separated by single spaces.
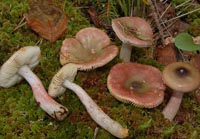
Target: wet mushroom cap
pixel 134 31
pixel 29 55
pixel 139 84
pixel 89 49
pixel 181 77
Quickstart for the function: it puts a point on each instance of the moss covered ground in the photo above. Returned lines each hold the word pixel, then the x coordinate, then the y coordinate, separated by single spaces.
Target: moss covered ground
pixel 22 118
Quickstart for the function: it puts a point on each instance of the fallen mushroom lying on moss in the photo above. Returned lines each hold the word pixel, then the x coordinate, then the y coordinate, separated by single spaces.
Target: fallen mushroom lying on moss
pixel 61 80
pixel 89 50
pixel 19 66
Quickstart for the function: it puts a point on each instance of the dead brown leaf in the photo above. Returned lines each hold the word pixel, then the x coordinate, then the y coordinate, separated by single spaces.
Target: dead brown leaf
pixel 195 61
pixel 165 55
pixel 94 17
pixel 46 19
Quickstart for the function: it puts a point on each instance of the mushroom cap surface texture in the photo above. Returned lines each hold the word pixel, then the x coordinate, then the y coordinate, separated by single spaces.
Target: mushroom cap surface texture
pixel 136 83
pixel 29 56
pixel 181 77
pixel 67 72
pixel 89 49
pixel 134 31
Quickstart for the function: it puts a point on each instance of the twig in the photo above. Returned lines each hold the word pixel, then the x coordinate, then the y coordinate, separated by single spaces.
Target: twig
pixel 182 4
pixel 21 23
pixel 165 11
pixel 39 41
pixel 164 1
pixel 180 16
pixel 160 29
pixel 132 8
pixel 96 132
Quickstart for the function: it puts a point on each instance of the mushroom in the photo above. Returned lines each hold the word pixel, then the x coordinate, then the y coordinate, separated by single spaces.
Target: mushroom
pixel 132 31
pixel 89 49
pixel 138 84
pixel 181 77
pixel 63 79
pixel 19 66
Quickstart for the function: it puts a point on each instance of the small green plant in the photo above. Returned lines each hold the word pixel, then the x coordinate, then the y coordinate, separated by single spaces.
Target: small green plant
pixel 145 125
pixel 184 41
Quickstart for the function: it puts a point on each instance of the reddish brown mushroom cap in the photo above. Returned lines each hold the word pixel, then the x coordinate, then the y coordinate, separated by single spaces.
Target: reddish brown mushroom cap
pixel 90 49
pixel 133 31
pixel 139 84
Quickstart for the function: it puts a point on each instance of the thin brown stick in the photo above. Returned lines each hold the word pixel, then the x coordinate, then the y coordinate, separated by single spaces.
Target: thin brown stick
pixel 165 11
pixel 155 15
pixel 21 23
pixel 180 16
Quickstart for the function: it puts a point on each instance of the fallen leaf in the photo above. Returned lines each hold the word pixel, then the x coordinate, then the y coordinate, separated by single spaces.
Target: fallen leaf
pixel 195 61
pixel 165 55
pixel 94 17
pixel 46 19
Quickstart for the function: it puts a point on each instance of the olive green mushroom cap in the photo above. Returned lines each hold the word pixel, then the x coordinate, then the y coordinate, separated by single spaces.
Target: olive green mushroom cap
pixel 67 72
pixel 91 48
pixel 139 84
pixel 181 77
pixel 29 56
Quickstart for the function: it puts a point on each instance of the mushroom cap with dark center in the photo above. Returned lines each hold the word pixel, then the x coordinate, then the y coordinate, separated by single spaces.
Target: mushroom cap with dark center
pixel 29 56
pixel 139 84
pixel 134 31
pixel 89 49
pixel 181 77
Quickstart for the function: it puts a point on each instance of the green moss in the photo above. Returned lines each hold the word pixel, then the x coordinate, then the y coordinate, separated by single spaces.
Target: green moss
pixel 21 117
pixel 194 28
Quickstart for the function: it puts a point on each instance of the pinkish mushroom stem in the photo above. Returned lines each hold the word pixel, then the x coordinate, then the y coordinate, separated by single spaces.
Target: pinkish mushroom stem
pixel 125 52
pixel 48 104
pixel 96 113
pixel 171 109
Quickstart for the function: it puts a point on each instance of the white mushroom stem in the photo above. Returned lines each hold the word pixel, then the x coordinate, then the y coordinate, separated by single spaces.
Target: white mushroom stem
pixel 173 106
pixel 48 104
pixel 125 52
pixel 96 113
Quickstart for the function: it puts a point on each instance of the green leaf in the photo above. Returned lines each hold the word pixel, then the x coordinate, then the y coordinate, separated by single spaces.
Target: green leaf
pixel 185 42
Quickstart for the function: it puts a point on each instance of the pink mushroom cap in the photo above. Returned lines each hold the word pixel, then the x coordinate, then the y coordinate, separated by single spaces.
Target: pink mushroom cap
pixel 89 49
pixel 139 84
pixel 134 31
